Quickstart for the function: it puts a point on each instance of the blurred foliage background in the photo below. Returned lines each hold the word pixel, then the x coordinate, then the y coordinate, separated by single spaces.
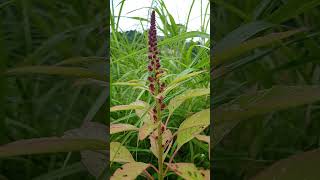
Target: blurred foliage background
pixel 265 89
pixel 44 100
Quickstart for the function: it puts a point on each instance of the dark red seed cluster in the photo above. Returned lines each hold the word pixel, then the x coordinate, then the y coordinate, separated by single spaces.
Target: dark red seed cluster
pixel 154 66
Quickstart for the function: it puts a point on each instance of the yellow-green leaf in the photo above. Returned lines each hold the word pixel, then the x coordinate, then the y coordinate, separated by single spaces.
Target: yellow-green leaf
pixel 119 153
pixel 116 128
pixel 186 171
pixel 178 100
pixel 193 126
pixel 129 171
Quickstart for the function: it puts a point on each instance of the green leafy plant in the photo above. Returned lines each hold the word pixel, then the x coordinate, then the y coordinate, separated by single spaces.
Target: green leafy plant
pixel 164 143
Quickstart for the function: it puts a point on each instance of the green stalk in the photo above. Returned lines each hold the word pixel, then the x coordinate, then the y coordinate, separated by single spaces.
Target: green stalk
pixel 160 149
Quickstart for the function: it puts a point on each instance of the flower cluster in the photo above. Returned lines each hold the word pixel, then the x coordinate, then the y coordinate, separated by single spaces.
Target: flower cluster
pixel 154 66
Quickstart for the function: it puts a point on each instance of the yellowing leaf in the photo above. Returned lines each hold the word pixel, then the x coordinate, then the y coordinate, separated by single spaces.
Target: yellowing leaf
pixel 129 171
pixel 166 137
pixel 116 128
pixel 125 107
pixel 146 129
pixel 192 126
pixel 178 100
pixel 186 171
pixel 119 153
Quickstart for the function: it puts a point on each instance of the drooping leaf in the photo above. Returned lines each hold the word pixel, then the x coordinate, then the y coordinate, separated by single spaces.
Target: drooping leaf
pixel 178 100
pixel 50 145
pixel 129 171
pixel 232 52
pixel 119 153
pixel 116 128
pixel 94 161
pixel 166 138
pixel 248 105
pixel 57 70
pixel 186 170
pixel 125 107
pixel 192 126
pixel 302 166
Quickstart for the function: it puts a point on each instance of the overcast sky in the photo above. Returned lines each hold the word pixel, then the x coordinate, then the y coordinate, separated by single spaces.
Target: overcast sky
pixel 178 8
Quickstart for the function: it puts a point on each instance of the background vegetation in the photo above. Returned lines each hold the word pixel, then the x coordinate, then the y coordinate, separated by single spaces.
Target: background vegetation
pixel 265 89
pixel 48 50
pixel 180 54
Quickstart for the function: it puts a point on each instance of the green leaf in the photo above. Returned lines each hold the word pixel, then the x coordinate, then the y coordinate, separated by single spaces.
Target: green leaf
pixel 232 52
pixel 178 100
pixel 125 107
pixel 61 71
pixel 256 103
pixel 116 128
pixel 129 171
pixel 50 145
pixel 192 126
pixel 119 153
pixel 291 9
pixel 186 171
pixel 302 166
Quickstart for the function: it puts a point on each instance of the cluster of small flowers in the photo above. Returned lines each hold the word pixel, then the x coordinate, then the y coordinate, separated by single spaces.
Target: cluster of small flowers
pixel 154 65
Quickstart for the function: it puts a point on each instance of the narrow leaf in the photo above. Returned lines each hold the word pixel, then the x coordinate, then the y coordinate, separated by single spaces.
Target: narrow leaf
pixel 125 107
pixel 50 145
pixel 232 52
pixel 116 128
pixel 56 70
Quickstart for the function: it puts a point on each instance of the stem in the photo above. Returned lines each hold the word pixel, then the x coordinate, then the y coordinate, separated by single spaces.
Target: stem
pixel 160 149
pixel 171 159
